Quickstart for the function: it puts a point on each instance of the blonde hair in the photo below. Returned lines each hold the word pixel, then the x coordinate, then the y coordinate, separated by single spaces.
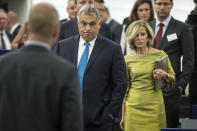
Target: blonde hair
pixel 133 30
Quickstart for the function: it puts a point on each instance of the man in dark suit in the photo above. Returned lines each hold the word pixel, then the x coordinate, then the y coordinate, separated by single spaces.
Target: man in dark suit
pixel 175 38
pixel 70 28
pixel 39 90
pixel 115 27
pixel 5 37
pixel 103 76
pixel 12 23
pixel 70 10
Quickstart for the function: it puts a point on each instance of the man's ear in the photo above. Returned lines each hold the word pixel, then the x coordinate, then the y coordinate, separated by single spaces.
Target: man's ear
pixel 55 32
pixel 100 23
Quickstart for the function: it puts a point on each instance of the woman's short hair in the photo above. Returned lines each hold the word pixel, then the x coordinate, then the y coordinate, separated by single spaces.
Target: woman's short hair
pixel 133 30
pixel 133 15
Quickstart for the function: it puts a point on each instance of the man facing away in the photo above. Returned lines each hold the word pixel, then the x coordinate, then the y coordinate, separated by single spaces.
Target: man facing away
pixel 39 90
pixel 12 23
pixel 115 27
pixel 175 38
pixel 101 70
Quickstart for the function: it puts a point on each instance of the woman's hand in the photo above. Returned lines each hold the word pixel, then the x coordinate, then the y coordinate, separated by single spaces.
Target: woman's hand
pixel 159 74
pixel 122 124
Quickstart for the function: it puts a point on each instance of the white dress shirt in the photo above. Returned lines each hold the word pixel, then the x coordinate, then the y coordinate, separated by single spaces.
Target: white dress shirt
pixel 6 40
pixel 165 22
pixel 82 48
pixel 13 28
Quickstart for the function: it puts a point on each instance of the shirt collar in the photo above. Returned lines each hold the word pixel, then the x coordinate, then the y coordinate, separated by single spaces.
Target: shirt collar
pixel 82 41
pixel 3 32
pixel 38 43
pixel 13 28
pixel 108 21
pixel 165 22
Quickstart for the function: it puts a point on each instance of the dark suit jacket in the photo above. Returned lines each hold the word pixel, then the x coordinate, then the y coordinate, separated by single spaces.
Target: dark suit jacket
pixel 15 32
pixel 104 82
pixel 63 20
pixel 70 28
pixel 182 46
pixel 116 30
pixel 38 92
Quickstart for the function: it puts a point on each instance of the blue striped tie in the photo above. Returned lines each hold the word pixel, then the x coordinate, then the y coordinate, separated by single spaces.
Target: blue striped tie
pixel 82 64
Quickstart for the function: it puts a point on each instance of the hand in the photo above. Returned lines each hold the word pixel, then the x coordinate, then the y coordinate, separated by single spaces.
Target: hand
pixel 122 124
pixel 159 74
pixel 111 116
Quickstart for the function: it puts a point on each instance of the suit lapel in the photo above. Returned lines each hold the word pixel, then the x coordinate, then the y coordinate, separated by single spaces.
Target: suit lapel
pixel 95 52
pixel 164 41
pixel 75 44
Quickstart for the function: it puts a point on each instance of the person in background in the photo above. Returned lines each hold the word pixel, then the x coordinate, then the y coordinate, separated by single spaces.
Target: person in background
pixel 13 26
pixel 192 20
pixel 70 10
pixel 5 37
pixel 142 10
pixel 21 37
pixel 175 38
pixel 143 107
pixel 114 26
pixel 70 28
pixel 29 102
pixel 101 69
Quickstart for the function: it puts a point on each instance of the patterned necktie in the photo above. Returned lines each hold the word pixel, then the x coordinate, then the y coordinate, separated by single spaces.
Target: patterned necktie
pixel 83 63
pixel 159 35
pixel 2 42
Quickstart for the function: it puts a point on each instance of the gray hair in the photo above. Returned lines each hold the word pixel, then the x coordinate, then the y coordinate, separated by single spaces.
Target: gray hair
pixel 89 10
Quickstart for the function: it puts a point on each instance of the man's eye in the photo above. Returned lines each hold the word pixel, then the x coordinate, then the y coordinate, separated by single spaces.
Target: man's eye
pixel 83 23
pixel 92 24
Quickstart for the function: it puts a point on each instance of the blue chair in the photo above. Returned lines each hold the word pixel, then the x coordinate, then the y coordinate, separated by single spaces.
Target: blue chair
pixel 177 129
pixel 194 111
pixel 3 51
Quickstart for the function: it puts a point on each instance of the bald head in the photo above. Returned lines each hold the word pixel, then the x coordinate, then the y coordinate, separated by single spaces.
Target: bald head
pixel 12 19
pixel 12 16
pixel 43 20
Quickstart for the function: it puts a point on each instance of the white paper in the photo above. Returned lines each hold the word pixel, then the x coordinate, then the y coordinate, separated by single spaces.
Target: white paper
pixel 172 37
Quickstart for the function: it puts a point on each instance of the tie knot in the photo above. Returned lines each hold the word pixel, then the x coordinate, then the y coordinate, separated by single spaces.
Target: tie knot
pixel 87 44
pixel 161 25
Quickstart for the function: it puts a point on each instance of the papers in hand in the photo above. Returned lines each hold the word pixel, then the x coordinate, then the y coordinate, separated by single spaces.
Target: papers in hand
pixel 161 63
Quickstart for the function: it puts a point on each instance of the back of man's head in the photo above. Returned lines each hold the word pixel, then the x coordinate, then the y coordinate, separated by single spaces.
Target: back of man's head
pixel 12 17
pixel 43 20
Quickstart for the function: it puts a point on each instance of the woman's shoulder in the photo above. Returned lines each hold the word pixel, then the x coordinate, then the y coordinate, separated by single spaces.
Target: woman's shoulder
pixel 129 56
pixel 153 50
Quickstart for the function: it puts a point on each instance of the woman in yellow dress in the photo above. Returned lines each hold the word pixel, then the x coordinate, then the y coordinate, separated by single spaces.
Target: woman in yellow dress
pixel 143 106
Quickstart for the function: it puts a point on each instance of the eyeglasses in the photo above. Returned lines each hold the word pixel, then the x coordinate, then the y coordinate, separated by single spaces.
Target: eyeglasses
pixel 2 18
pixel 164 4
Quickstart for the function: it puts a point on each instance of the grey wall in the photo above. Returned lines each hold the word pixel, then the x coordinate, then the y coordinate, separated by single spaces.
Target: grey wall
pixel 21 7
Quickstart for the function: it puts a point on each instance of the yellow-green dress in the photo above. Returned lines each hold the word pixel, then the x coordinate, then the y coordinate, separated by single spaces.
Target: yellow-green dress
pixel 144 106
